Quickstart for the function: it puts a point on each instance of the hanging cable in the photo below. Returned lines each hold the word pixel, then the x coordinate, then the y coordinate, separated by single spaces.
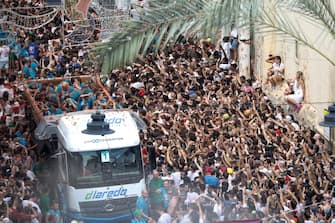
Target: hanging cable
pixel 16 19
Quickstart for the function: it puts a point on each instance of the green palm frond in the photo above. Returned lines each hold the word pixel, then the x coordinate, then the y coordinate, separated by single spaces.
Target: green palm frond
pixel 282 20
pixel 321 12
pixel 166 20
pixel 163 23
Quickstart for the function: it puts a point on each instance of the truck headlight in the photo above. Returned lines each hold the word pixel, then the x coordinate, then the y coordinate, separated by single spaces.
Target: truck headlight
pixel 76 221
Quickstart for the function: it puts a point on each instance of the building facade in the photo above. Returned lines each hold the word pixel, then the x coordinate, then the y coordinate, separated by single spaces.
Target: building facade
pixel 319 73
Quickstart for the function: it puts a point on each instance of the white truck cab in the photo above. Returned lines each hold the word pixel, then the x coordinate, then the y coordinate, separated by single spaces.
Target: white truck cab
pixel 100 169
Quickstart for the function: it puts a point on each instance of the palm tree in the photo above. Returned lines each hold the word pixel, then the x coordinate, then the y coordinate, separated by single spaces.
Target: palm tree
pixel 166 20
pixel 162 23
pixel 288 18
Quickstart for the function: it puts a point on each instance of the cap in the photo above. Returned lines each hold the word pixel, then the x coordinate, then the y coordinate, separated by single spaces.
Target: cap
pixel 226 116
pixel 208 169
pixel 137 213
pixel 223 169
pixel 247 112
pixel 230 171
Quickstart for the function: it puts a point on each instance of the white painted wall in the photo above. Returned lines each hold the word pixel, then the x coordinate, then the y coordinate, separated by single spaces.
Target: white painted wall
pixel 319 73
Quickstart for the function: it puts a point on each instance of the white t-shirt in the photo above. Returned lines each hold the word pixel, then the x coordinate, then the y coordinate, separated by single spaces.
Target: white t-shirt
pixel 234 33
pixel 176 178
pixel 192 175
pixel 4 51
pixel 226 47
pixel 296 126
pixel 26 203
pixel 191 197
pixel 137 85
pixel 164 218
pixel 277 67
pixel 224 66
pixel 134 13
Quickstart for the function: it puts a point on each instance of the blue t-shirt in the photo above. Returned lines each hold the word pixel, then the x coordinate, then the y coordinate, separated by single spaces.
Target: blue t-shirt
pixel 55 213
pixel 28 72
pixel 90 102
pixel 142 204
pixel 23 141
pixel 81 104
pixel 86 90
pixel 57 111
pixel 211 181
pixel 23 51
pixel 50 75
pixel 118 106
pixel 33 67
pixel 76 65
pixel 33 50
pixel 141 220
pixel 52 97
pixel 18 133
pixel 15 49
pixel 75 94
pixel 165 195
pixel 59 88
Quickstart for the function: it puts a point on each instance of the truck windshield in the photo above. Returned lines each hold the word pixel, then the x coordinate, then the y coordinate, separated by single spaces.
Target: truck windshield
pixel 105 167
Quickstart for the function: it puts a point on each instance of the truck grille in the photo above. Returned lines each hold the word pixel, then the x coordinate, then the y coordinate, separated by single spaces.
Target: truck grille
pixel 108 208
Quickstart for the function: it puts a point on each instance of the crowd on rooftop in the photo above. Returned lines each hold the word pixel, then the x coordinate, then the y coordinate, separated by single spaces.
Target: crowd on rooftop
pixel 224 151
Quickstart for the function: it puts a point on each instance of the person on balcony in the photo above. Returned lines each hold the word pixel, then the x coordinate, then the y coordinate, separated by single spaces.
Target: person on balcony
pixel 276 72
pixel 296 93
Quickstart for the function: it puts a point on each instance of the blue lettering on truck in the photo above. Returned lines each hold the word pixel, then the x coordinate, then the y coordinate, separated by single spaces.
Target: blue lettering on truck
pixel 102 140
pixel 112 121
pixel 106 194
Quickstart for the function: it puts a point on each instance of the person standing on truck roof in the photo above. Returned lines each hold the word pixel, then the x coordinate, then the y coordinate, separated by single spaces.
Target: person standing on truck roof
pixel 63 90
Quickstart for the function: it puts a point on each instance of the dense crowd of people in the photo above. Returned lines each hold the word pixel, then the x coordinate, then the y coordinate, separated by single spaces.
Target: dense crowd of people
pixel 28 55
pixel 224 151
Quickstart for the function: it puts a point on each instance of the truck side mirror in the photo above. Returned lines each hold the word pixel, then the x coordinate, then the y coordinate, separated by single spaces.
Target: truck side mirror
pixel 53 142
pixel 58 172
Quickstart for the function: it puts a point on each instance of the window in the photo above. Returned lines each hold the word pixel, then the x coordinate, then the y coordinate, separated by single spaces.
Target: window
pixel 105 168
